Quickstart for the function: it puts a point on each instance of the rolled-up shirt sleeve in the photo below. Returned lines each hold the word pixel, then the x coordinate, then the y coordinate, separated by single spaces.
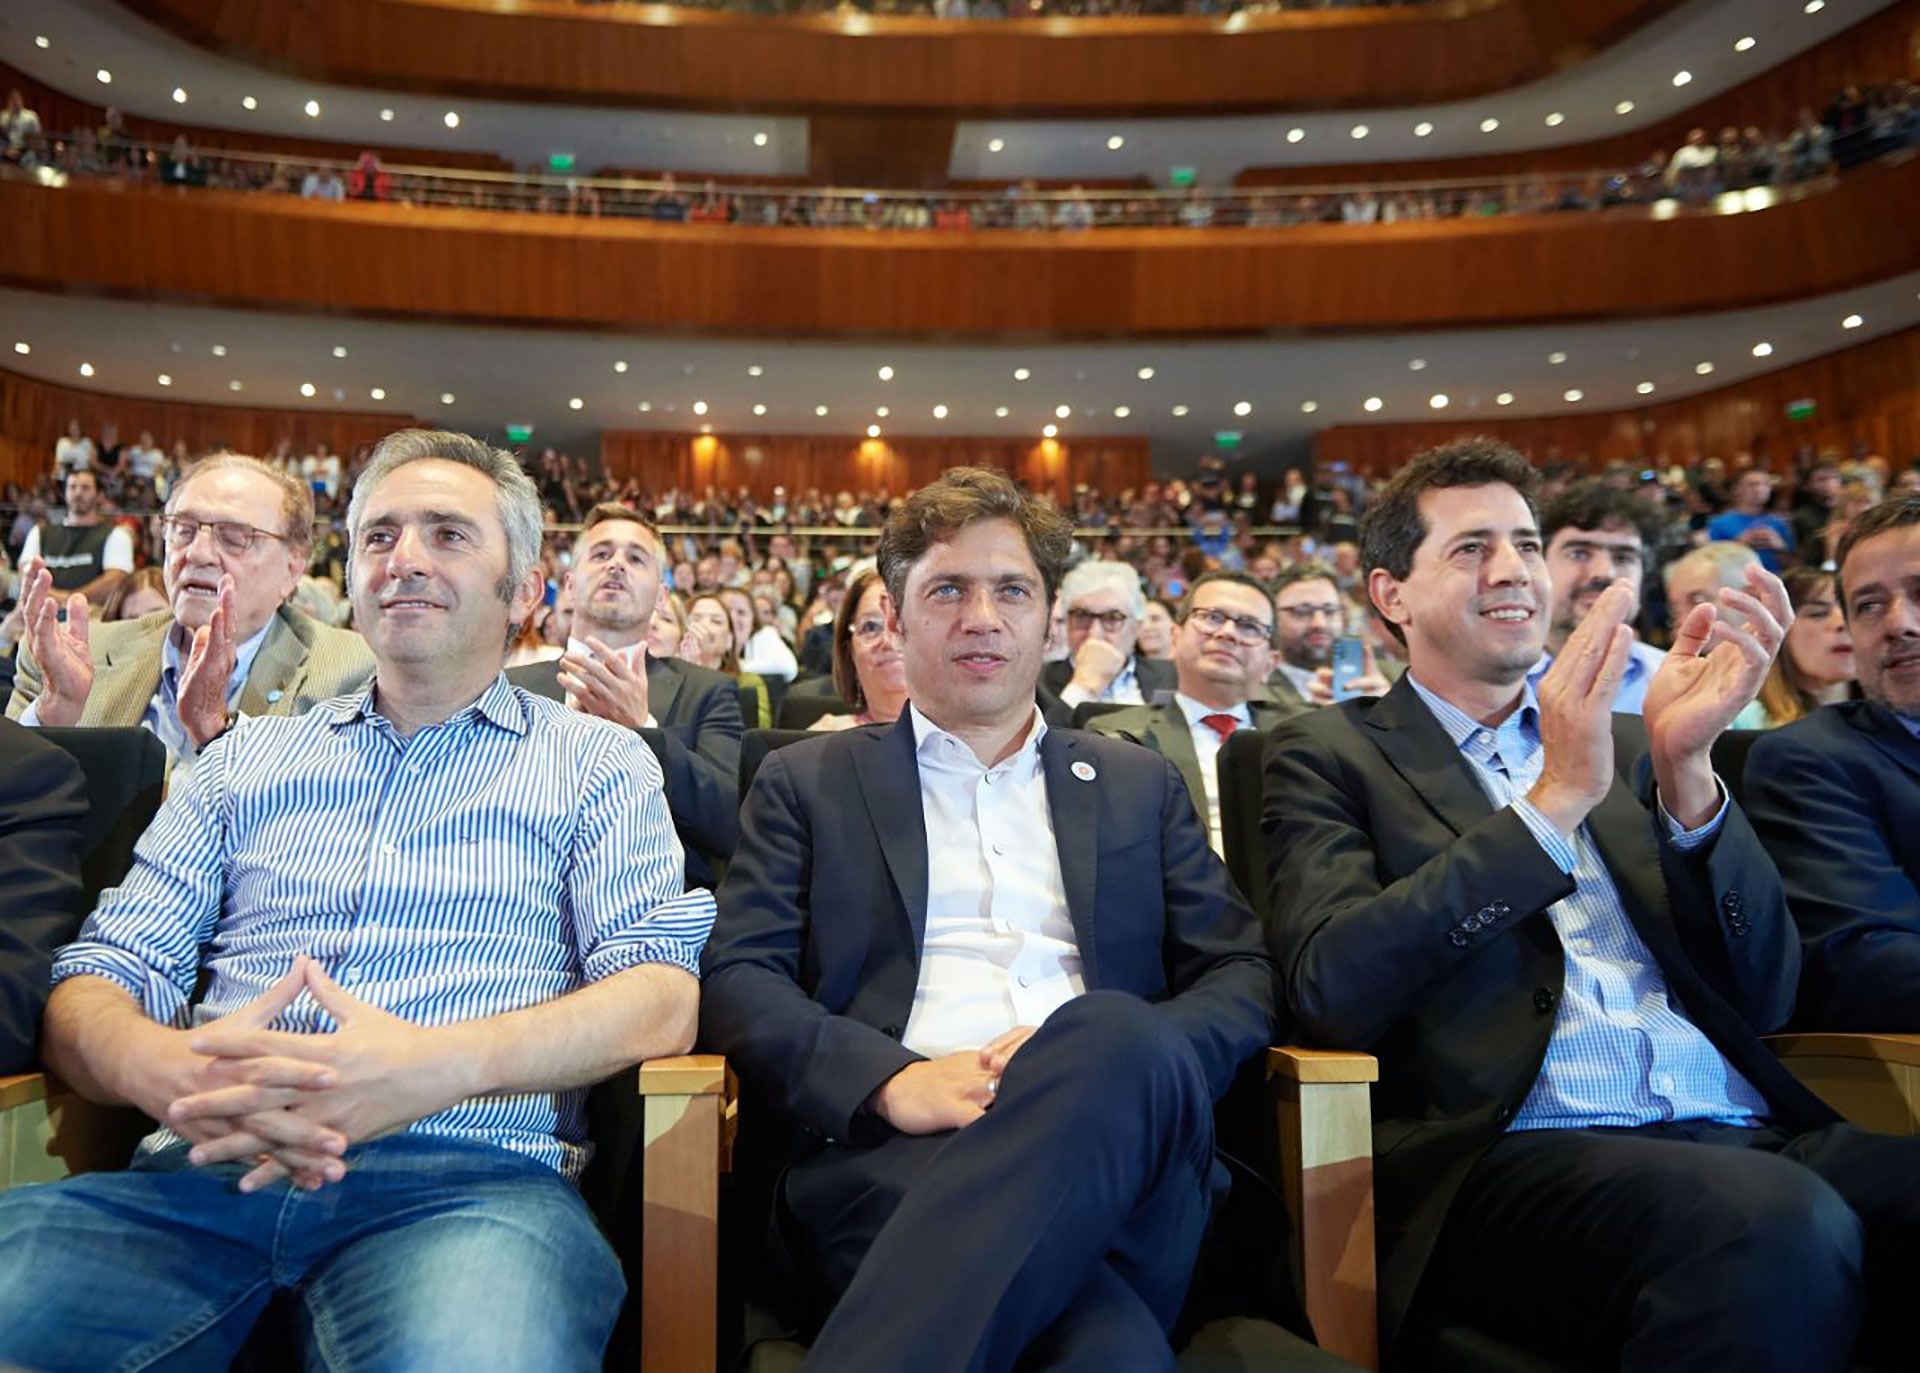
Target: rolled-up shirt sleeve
pixel 626 889
pixel 146 934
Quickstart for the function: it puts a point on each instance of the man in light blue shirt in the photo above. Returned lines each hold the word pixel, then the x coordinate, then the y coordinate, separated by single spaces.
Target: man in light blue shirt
pixel 1596 536
pixel 366 963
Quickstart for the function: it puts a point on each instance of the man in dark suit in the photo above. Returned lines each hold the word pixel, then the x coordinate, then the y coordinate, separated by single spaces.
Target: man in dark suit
pixel 1223 646
pixel 1564 957
pixel 1836 797
pixel 995 978
pixel 42 803
pixel 692 715
pixel 1104 606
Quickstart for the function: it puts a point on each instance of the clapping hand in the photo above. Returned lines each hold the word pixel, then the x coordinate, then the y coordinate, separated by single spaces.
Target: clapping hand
pixel 607 685
pixel 208 674
pixel 62 651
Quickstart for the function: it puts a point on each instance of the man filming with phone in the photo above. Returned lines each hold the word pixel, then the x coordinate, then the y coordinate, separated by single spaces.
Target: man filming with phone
pixel 1309 621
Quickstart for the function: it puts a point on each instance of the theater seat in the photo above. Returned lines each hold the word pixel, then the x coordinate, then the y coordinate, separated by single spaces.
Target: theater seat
pixel 798 711
pixel 126 777
pixel 1242 763
pixel 1087 710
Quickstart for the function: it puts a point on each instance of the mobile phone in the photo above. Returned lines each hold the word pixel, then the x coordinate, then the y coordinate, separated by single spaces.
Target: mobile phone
pixel 1349 662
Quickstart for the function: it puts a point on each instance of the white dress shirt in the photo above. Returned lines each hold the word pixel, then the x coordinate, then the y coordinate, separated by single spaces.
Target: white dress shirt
pixel 999 948
pixel 1207 743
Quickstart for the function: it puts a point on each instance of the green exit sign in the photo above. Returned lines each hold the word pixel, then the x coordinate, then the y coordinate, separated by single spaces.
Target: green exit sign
pixel 1227 438
pixel 560 162
pixel 1182 176
pixel 1802 409
pixel 519 433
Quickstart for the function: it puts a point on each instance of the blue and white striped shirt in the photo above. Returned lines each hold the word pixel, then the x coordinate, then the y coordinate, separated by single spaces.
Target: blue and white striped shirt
pixel 1621 1052
pixel 501 859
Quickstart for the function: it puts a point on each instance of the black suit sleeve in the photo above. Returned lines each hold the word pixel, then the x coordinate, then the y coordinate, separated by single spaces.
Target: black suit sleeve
pixel 703 782
pixel 1857 907
pixel 41 809
pixel 817 1067
pixel 1355 952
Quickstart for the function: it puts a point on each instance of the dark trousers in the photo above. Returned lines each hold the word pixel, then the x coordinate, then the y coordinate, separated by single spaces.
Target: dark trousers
pixel 1679 1247
pixel 1057 1232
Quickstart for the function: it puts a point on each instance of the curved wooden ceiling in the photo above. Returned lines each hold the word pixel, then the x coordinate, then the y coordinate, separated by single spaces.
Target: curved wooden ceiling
pixel 561 50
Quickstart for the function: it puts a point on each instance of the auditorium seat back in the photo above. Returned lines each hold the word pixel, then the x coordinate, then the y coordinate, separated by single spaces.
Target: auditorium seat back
pixel 1242 767
pixel 1730 760
pixel 799 710
pixel 1084 713
pixel 126 777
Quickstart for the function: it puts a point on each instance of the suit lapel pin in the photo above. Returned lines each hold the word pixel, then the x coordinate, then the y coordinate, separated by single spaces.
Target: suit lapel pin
pixel 1084 771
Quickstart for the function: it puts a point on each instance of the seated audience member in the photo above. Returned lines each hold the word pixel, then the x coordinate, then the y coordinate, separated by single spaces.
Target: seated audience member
pixel 1816 665
pixel 1155 639
pixel 1697 578
pixel 667 630
pixel 607 671
pixel 1309 614
pixel 1836 798
pixel 1223 648
pixel 762 651
pixel 868 672
pixel 994 975
pixel 230 645
pixel 136 597
pixel 43 801
pixel 1564 951
pixel 426 917
pixel 86 553
pixel 1104 606
pixel 1595 538
pixel 710 627
pixel 1749 522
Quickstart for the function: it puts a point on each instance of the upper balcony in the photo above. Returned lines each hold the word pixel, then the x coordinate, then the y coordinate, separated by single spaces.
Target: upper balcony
pixel 729 59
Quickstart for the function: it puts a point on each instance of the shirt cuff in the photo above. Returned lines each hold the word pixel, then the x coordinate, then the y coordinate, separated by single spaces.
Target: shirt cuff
pixel 159 998
pixel 1685 839
pixel 30 717
pixel 1558 848
pixel 1074 695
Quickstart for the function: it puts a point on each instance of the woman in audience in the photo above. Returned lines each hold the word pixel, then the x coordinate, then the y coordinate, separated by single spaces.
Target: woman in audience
pixel 139 595
pixel 869 672
pixel 530 645
pixel 1815 667
pixel 762 651
pixel 667 630
pixel 1155 639
pixel 710 620
pixel 1855 499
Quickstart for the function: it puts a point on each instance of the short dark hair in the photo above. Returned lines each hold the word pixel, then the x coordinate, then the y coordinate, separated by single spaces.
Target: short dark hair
pixel 1246 579
pixel 1312 570
pixel 606 512
pixel 1392 530
pixel 1895 512
pixel 1591 504
pixel 965 496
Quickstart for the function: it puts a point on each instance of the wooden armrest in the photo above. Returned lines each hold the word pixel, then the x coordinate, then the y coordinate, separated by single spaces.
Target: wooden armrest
pixel 690 1105
pixel 1325 1108
pixel 48 1131
pixel 687 1075
pixel 20 1088
pixel 1872 1080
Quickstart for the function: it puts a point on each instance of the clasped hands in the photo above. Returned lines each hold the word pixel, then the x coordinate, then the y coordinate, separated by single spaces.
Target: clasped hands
pixel 294 1103
pixel 1713 670
pixel 951 1091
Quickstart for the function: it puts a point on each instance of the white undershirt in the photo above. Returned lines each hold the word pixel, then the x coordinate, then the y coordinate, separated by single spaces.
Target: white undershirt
pixel 999 948
pixel 1206 743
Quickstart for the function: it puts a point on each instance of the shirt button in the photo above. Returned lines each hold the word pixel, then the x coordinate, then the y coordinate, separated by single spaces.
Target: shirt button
pixel 1000 848
pixel 389 849
pixel 1023 980
pixel 1663 1083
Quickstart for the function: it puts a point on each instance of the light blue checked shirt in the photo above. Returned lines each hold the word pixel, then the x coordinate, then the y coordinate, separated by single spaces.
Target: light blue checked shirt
pixel 1621 1052
pixel 503 858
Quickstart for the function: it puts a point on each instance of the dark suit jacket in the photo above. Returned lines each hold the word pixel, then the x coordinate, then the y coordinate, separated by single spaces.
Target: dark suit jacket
pixel 810 972
pixel 1164 729
pixel 1153 674
pixel 1407 921
pixel 1836 799
pixel 698 744
pixel 43 800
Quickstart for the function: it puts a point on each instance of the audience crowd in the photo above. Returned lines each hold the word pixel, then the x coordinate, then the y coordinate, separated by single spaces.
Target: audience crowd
pixel 1028 9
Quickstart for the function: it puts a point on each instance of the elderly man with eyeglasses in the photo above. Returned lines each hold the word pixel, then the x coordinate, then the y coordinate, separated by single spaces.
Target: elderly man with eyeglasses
pixel 237 538
pixel 1223 648
pixel 1104 605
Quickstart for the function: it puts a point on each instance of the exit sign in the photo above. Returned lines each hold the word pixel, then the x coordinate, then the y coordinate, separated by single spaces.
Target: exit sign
pixel 519 433
pixel 1802 409
pixel 1182 176
pixel 560 162
pixel 1227 438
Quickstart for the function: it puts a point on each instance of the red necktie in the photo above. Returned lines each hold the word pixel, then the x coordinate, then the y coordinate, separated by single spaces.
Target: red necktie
pixel 1221 724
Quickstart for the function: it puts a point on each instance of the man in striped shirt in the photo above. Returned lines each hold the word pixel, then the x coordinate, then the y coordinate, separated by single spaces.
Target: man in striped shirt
pixel 424 919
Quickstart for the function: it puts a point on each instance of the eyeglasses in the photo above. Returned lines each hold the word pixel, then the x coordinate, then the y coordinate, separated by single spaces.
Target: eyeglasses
pixel 229 535
pixel 869 630
pixel 1246 629
pixel 1113 621
pixel 1303 613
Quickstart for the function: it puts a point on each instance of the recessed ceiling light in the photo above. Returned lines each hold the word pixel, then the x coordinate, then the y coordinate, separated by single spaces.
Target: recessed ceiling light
pixel 247 102
pixel 1744 44
pixel 1372 404
pixel 1624 107
pixel 1050 431
pixel 1556 119
pixel 1556 358
pixel 1179 412
pixel 1645 388
pixel 881 411
pixel 706 428
pixel 885 374
pixel 339 350
pixel 1295 135
pixel 307 389
pixel 1815 6
pixel 1705 369
pixel 995 145
pixel 86 369
pixel 179 95
pixel 699 407
pixel 1681 78
pixel 820 411
pixel 1120 412
pixel 219 350
pixel 1763 349
pixel 759 409
pixel 1062 411
pixel 313 109
pixel 1489 124
pixel 1243 408
pixel 386 116
pixel 1360 131
pixel 1307 407
pixel 1422 129
pixel 163 380
pixel 873 431
pixel 1439 400
pixel 378 393
pixel 451 119
pixel 646 407
pixel 1000 412
pixel 756 370
pixel 1853 322
pixel 576 403
pixel 103 76
pixel 41 41
pixel 1021 374
pixel 22 347
pixel 1145 374
pixel 1116 143
pixel 233 385
pixel 1504 398
pixel 939 412
pixel 1575 396
pixel 760 139
pixel 446 398
pixel 620 366
pixel 1416 364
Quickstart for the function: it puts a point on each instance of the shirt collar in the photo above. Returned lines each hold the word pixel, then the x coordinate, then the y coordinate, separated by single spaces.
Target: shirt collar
pixel 499 705
pixel 633 653
pixel 243 655
pixel 1522 726
pixel 934 744
pixel 1913 725
pixel 1196 711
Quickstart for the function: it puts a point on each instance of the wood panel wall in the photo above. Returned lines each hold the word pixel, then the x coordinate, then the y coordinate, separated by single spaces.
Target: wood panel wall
pixel 1867 395
pixel 279 252
pixel 34 413
pixel 662 56
pixel 834 462
pixel 1883 47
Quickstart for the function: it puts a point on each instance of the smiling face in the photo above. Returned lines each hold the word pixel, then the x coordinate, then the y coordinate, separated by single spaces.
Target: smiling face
pixel 1882 579
pixel 1473 606
pixel 1310 616
pixel 615 578
pixel 972 623
pixel 708 616
pixel 877 659
pixel 1582 563
pixel 263 577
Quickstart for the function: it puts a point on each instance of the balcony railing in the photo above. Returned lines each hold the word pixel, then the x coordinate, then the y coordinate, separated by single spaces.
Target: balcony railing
pixel 1025 9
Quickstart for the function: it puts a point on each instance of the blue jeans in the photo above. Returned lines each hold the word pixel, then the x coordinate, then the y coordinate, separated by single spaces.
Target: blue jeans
pixel 430 1254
